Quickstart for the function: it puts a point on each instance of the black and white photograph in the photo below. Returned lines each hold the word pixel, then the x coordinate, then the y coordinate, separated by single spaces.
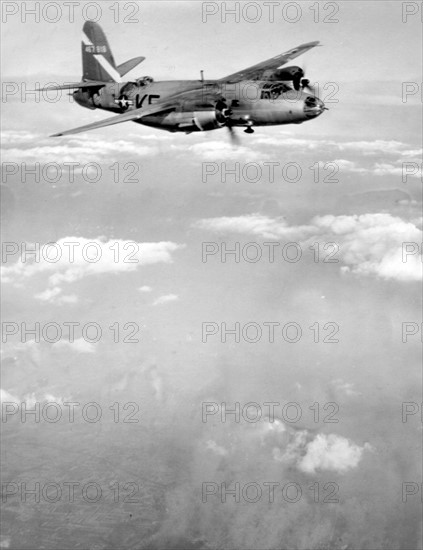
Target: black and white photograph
pixel 211 274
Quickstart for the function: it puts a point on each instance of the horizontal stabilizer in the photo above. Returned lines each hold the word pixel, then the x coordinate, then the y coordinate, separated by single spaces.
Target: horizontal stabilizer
pixel 129 65
pixel 74 86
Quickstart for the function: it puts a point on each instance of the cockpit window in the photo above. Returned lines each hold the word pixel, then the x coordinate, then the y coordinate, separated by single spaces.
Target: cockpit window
pixel 144 81
pixel 310 101
pixel 273 91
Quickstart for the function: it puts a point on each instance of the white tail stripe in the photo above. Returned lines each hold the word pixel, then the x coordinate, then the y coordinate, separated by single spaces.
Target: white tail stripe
pixel 86 40
pixel 110 70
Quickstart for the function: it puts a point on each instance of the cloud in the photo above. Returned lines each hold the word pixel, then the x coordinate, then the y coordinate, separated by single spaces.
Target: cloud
pixel 293 446
pixel 31 398
pixel 286 141
pixel 307 451
pixel 391 154
pixel 37 148
pixel 331 452
pixel 79 345
pixel 345 387
pixel 30 148
pixel 386 169
pixel 404 169
pixel 215 448
pixel 5 397
pixel 223 150
pixel 67 299
pixel 5 542
pixel 375 146
pixel 368 244
pixel 145 288
pixel 346 165
pixel 73 258
pixel 50 398
pixel 388 147
pixel 255 224
pixel 15 136
pixel 166 299
pixel 53 296
pixel 49 294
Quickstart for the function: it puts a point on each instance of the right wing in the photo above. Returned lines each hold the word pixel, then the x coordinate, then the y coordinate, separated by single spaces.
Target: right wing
pixel 134 114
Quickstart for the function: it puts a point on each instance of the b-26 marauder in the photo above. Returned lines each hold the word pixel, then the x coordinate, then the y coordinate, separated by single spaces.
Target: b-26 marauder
pixel 262 95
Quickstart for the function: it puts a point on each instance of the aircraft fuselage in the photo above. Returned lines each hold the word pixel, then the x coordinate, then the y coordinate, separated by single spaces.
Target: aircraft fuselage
pixel 251 102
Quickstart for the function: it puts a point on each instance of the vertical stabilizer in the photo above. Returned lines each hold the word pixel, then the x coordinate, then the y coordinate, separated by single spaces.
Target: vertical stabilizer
pixel 97 58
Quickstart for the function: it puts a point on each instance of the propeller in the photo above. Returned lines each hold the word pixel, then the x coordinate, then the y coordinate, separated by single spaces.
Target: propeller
pixel 233 136
pixel 305 85
pixel 300 83
pixel 296 79
pixel 224 114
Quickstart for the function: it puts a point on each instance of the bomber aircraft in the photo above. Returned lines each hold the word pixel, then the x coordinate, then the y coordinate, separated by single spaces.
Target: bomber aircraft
pixel 261 95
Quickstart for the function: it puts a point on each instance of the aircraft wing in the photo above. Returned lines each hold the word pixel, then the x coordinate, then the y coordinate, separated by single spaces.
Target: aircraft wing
pixel 134 114
pixel 74 86
pixel 171 103
pixel 255 71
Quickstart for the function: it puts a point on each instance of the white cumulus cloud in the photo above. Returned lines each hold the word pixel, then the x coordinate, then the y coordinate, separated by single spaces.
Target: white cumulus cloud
pixel 166 299
pixel 79 345
pixel 330 452
pixel 367 244
pixel 73 258
pixel 20 147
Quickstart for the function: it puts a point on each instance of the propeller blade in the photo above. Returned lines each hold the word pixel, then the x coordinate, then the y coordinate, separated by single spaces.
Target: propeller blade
pixel 296 82
pixel 233 136
pixel 305 85
pixel 297 79
pixel 305 82
pixel 312 89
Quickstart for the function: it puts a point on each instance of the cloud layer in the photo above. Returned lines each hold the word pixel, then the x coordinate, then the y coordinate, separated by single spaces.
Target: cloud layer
pixel 368 244
pixel 71 259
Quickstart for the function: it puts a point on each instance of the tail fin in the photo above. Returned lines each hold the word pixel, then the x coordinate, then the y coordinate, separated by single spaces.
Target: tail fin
pixel 97 59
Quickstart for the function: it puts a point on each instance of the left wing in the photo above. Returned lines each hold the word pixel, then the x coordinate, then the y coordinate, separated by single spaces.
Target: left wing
pixel 170 104
pixel 135 114
pixel 255 72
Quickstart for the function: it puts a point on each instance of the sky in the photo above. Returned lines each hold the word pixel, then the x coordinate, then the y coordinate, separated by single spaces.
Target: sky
pixel 323 291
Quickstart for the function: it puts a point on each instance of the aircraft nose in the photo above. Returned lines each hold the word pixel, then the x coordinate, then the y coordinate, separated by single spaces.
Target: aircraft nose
pixel 313 106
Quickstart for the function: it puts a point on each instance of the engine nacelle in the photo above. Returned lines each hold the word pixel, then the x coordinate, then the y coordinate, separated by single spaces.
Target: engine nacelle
pixel 286 73
pixel 200 120
pixel 206 114
pixel 85 98
pixel 206 120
